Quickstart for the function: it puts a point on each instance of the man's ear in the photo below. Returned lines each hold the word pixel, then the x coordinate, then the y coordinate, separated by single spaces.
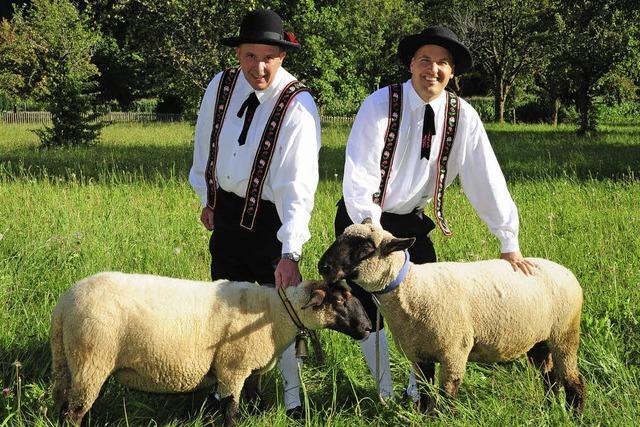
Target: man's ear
pixel 395 244
pixel 315 299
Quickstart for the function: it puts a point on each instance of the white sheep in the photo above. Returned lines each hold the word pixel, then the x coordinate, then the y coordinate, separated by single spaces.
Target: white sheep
pixel 452 312
pixel 160 334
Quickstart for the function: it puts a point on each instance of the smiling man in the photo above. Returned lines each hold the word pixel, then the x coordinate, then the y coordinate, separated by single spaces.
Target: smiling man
pixel 255 167
pixel 408 143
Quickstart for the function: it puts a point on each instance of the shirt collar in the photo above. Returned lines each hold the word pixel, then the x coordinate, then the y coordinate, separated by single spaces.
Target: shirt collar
pixel 415 102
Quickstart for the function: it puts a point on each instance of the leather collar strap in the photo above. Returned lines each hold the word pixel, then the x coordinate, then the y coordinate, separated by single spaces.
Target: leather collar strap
pixel 303 332
pixel 402 274
pixel 292 312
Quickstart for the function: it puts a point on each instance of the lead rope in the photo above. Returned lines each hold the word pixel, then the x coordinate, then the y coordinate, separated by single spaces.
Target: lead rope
pixel 378 321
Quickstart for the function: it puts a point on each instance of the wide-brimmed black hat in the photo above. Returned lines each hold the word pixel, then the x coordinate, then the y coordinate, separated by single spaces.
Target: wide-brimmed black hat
pixel 262 26
pixel 440 36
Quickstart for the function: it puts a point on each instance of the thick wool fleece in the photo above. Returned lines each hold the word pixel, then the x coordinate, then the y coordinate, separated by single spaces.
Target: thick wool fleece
pixel 121 324
pixel 483 308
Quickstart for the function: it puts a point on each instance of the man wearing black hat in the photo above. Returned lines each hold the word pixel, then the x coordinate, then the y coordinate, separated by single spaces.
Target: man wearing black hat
pixel 255 167
pixel 408 143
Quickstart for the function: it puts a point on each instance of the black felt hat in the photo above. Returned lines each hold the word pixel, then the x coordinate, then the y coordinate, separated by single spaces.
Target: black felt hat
pixel 440 36
pixel 262 26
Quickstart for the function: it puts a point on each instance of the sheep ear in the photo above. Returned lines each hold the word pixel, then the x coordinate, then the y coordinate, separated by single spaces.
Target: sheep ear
pixel 367 220
pixel 395 244
pixel 315 299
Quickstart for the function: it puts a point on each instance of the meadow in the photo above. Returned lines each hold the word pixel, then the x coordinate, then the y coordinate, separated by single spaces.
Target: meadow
pixel 126 205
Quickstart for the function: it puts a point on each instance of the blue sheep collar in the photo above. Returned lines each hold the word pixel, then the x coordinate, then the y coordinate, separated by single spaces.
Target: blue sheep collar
pixel 399 278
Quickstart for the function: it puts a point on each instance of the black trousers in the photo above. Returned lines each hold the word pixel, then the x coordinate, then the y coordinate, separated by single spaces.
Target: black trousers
pixel 240 254
pixel 414 224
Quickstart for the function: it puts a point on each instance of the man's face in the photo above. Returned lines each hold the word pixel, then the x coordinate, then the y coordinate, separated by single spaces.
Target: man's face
pixel 259 63
pixel 431 69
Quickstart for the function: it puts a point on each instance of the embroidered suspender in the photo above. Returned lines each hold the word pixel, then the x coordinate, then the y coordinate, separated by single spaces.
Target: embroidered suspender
pixel 390 140
pixel 225 88
pixel 265 153
pixel 449 134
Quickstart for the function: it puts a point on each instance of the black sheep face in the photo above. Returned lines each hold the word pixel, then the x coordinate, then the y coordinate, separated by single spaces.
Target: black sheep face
pixel 343 312
pixel 359 244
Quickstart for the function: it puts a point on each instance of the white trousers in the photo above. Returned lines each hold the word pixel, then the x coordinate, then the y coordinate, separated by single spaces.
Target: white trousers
pixel 378 361
pixel 290 367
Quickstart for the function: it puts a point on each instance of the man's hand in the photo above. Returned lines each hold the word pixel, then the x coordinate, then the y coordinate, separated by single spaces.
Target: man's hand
pixel 206 218
pixel 518 262
pixel 287 273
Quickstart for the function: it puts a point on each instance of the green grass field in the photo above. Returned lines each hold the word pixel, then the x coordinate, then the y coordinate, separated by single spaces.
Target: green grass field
pixel 126 205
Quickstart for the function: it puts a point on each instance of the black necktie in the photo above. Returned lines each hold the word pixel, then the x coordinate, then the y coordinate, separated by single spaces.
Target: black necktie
pixel 428 130
pixel 248 108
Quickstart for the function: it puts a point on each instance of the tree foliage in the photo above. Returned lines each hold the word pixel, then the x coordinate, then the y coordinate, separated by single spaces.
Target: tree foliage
pixel 508 39
pixel 596 36
pixel 549 52
pixel 63 43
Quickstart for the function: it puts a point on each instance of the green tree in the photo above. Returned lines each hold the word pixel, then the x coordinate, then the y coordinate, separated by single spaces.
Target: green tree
pixel 179 42
pixel 349 49
pixel 508 38
pixel 63 43
pixel 595 37
pixel 17 62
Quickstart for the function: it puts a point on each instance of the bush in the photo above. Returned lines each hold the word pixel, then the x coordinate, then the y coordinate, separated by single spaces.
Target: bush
pixel 483 105
pixel 626 112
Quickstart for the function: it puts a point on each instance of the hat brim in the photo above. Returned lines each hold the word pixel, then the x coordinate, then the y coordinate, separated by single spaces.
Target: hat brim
pixel 461 55
pixel 237 41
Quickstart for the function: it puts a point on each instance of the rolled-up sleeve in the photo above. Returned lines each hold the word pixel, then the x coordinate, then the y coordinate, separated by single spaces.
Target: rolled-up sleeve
pixel 485 186
pixel 362 163
pixel 294 171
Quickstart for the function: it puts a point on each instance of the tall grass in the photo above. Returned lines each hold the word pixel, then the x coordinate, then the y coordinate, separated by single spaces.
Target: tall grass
pixel 126 205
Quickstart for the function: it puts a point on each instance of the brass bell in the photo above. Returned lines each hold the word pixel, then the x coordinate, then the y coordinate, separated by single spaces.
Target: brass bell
pixel 301 345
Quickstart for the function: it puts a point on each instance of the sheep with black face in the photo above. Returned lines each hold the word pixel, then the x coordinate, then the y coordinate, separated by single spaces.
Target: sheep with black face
pixel 160 334
pixel 452 312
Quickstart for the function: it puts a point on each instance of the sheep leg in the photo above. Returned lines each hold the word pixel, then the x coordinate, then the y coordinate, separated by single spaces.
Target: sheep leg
pixel 540 357
pixel 564 349
pixel 426 373
pixel 252 392
pixel 230 383
pixel 229 407
pixel 61 375
pixel 61 385
pixel 566 370
pixel 452 372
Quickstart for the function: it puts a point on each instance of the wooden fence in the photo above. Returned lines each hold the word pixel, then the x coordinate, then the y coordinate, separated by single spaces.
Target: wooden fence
pixel 44 117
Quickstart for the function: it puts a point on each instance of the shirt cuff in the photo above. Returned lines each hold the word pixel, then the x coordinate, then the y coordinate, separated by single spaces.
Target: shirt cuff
pixel 509 244
pixel 292 246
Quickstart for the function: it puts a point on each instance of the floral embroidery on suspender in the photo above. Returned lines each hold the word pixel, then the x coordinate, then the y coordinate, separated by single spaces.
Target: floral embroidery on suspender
pixel 265 153
pixel 450 125
pixel 390 140
pixel 225 89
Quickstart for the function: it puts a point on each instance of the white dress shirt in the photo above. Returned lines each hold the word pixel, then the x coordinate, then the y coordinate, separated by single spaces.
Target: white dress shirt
pixel 293 175
pixel 412 180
